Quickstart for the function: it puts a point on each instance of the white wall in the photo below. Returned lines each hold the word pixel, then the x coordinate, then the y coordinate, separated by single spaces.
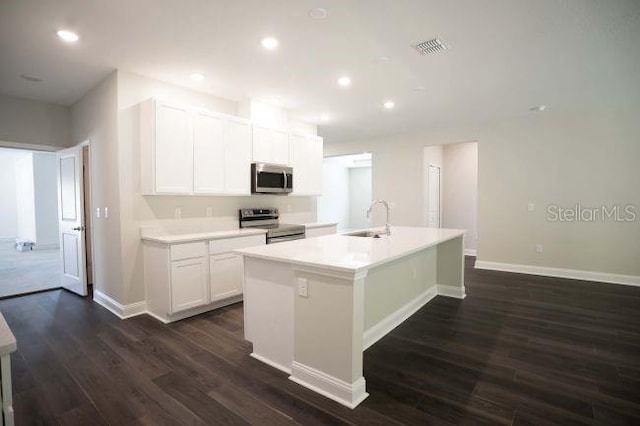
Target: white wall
pixel 563 157
pixel 333 204
pixel 460 190
pixel 95 118
pixel 359 197
pixel 25 204
pixel 31 122
pixel 8 201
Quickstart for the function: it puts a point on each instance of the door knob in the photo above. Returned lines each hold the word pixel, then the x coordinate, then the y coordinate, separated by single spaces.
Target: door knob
pixel 78 228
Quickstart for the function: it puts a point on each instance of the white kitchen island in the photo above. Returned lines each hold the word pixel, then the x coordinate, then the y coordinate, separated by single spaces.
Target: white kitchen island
pixel 311 307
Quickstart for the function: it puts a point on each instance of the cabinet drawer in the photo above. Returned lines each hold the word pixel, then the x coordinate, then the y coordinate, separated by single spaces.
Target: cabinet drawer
pixel 188 250
pixel 228 244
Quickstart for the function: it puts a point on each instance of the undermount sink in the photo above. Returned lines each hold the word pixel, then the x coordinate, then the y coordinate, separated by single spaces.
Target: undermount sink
pixel 369 234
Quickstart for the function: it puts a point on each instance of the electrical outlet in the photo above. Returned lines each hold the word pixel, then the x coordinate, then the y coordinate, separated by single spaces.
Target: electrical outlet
pixel 209 212
pixel 531 207
pixel 98 212
pixel 538 248
pixel 177 212
pixel 303 287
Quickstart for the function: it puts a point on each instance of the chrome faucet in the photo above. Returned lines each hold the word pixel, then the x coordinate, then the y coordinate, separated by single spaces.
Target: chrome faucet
pixel 387 226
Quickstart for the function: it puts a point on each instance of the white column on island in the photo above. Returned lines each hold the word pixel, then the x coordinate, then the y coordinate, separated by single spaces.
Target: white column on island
pixel 328 336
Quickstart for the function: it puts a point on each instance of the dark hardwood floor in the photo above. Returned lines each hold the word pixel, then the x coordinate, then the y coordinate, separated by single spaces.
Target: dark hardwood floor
pixel 519 350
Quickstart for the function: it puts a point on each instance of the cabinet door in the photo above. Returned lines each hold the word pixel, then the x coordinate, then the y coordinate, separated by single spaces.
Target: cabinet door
pixel 262 143
pixel 208 154
pixel 173 150
pixel 225 276
pixel 189 284
pixel 280 147
pixel 298 157
pixel 237 160
pixel 315 161
pixel 270 146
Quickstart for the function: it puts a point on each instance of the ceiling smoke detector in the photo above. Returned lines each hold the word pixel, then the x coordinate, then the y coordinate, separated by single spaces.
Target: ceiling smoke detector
pixel 428 47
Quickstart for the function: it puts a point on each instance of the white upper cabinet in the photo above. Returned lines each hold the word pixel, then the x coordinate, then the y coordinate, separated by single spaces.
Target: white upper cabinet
pixel 185 150
pixel 270 145
pixel 208 154
pixel 237 156
pixel 167 149
pixel 306 159
pixel 189 151
pixel 221 154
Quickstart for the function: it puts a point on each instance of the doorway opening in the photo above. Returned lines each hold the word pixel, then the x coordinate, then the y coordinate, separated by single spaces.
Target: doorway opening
pixel 32 257
pixel 347 191
pixel 451 189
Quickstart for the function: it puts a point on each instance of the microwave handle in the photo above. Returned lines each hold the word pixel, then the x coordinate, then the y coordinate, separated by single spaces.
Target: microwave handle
pixel 284 173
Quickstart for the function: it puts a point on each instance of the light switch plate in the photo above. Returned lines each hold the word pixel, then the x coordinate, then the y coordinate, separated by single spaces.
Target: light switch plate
pixel 106 212
pixel 98 212
pixel 531 207
pixel 303 287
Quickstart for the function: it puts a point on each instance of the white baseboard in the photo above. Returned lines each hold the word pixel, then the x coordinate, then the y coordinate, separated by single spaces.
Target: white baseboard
pixel 470 252
pixel 120 310
pixel 348 394
pixel 382 328
pixel 269 362
pixel 604 277
pixel 451 291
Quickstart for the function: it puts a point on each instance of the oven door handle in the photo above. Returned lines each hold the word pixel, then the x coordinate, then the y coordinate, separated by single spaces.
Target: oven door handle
pixel 283 239
pixel 284 173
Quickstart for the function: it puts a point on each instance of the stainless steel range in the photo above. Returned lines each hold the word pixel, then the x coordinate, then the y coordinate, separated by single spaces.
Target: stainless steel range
pixel 269 219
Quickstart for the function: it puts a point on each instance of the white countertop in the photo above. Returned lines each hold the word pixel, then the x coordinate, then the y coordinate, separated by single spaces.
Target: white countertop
pixel 7 340
pixel 174 238
pixel 168 238
pixel 353 254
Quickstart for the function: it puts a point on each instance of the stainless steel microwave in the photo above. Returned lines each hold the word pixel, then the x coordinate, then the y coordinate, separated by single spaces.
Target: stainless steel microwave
pixel 271 179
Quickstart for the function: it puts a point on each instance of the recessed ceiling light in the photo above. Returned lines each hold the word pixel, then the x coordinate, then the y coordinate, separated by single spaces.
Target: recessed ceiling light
pixel 389 105
pixel 538 108
pixel 196 76
pixel 270 43
pixel 382 59
pixel 318 13
pixel 324 117
pixel 68 36
pixel 30 77
pixel 344 81
pixel 419 89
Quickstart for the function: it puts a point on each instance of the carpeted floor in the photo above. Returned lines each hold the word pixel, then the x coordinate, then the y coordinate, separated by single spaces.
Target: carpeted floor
pixel 27 271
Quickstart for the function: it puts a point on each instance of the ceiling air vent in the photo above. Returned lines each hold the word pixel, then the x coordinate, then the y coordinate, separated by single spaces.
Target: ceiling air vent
pixel 428 47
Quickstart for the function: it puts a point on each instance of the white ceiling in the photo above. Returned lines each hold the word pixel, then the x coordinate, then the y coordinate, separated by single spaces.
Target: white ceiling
pixel 506 55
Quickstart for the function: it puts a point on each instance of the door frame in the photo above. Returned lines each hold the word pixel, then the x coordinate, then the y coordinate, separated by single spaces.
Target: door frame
pixel 92 219
pixel 53 149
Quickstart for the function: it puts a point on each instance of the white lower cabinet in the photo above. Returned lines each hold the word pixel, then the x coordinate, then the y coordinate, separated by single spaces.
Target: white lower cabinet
pixel 189 282
pixel 185 279
pixel 225 275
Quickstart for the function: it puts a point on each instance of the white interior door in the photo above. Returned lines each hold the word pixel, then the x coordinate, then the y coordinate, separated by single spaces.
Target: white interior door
pixel 433 215
pixel 71 220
